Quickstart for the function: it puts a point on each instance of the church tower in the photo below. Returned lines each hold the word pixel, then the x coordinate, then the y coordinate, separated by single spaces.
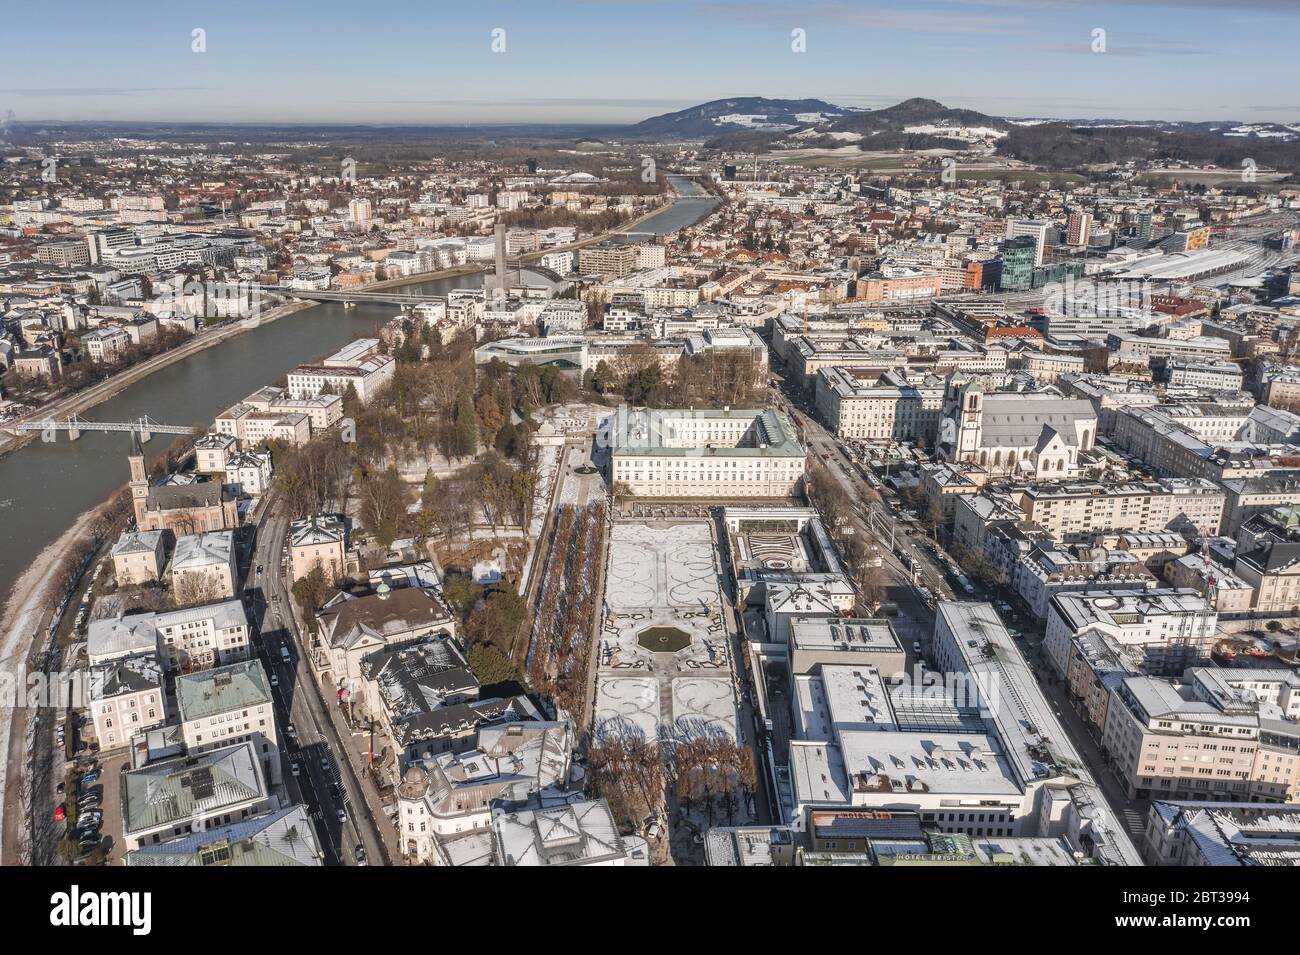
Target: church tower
pixel 139 480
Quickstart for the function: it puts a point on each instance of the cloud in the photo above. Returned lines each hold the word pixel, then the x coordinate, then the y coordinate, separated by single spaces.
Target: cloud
pixel 96 90
pixel 631 103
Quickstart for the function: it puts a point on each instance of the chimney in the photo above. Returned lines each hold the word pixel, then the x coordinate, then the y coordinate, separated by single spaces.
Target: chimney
pixel 501 261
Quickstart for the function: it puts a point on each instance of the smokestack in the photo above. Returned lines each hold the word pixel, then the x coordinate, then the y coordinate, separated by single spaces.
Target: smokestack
pixel 501 261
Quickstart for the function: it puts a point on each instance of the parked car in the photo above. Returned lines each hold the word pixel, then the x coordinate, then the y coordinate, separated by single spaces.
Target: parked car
pixel 59 813
pixel 343 815
pixel 293 768
pixel 90 778
pixel 359 854
pixel 275 680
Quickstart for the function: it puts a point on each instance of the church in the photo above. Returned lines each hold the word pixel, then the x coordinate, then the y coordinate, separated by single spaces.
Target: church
pixel 182 509
pixel 1036 435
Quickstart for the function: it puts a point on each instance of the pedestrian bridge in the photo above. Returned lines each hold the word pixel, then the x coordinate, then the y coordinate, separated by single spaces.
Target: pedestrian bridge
pixel 144 426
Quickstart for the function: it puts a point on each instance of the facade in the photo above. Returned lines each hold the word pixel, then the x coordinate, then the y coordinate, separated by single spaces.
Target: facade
pixel 1272 570
pixel 1200 739
pixel 181 509
pixel 709 454
pixel 320 540
pixel 608 258
pixel 192 639
pixel 358 365
pixel 1078 511
pixel 139 556
pixel 1170 630
pixel 893 407
pixel 205 564
pixel 1037 435
pixel 126 698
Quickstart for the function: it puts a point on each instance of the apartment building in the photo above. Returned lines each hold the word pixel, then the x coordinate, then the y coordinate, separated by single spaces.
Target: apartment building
pixel 195 638
pixel 126 698
pixel 105 345
pixel 608 258
pixel 318 541
pixel 229 705
pixel 139 556
pixel 192 794
pixel 252 427
pixel 892 407
pixel 1170 629
pixel 204 564
pixel 358 365
pixel 1078 511
pixel 1200 739
pixel 709 454
pixel 1222 834
pixel 1272 569
pixel 1207 375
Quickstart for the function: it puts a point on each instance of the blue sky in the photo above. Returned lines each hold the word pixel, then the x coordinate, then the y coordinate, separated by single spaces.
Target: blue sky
pixel 431 61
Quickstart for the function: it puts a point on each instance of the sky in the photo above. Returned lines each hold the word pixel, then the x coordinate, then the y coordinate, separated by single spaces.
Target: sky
pixel 620 61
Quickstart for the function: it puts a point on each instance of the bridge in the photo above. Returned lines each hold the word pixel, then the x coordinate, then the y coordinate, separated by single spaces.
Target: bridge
pixel 407 300
pixel 144 426
pixel 377 297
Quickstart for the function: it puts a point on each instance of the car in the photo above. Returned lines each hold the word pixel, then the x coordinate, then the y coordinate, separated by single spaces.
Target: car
pixel 359 855
pixel 284 654
pixel 59 813
pixel 58 790
pixel 85 805
pixel 916 647
pixel 90 817
pixel 293 767
pixel 259 568
pixel 90 778
pixel 343 815
pixel 335 792
pixel 325 763
pixel 275 680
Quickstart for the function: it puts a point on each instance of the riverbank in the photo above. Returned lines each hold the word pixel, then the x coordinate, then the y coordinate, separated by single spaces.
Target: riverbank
pixel 102 391
pixel 24 617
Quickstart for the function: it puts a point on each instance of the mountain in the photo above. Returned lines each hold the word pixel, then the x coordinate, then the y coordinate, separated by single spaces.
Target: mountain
pixel 922 116
pixel 1069 145
pixel 740 113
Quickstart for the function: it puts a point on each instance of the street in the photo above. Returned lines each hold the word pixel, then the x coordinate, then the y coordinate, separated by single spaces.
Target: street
pixel 326 783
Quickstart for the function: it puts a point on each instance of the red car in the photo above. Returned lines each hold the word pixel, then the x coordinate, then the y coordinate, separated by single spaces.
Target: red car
pixel 59 814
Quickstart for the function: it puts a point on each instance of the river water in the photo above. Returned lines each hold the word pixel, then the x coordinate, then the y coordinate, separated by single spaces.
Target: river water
pixel 45 486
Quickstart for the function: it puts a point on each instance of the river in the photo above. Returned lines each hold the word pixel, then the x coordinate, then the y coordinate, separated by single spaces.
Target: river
pixel 694 204
pixel 45 486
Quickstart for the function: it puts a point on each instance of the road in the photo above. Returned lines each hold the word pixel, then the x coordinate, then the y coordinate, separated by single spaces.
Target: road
pixel 328 781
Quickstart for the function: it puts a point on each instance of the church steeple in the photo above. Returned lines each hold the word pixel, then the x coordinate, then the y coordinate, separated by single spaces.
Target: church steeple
pixel 139 480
